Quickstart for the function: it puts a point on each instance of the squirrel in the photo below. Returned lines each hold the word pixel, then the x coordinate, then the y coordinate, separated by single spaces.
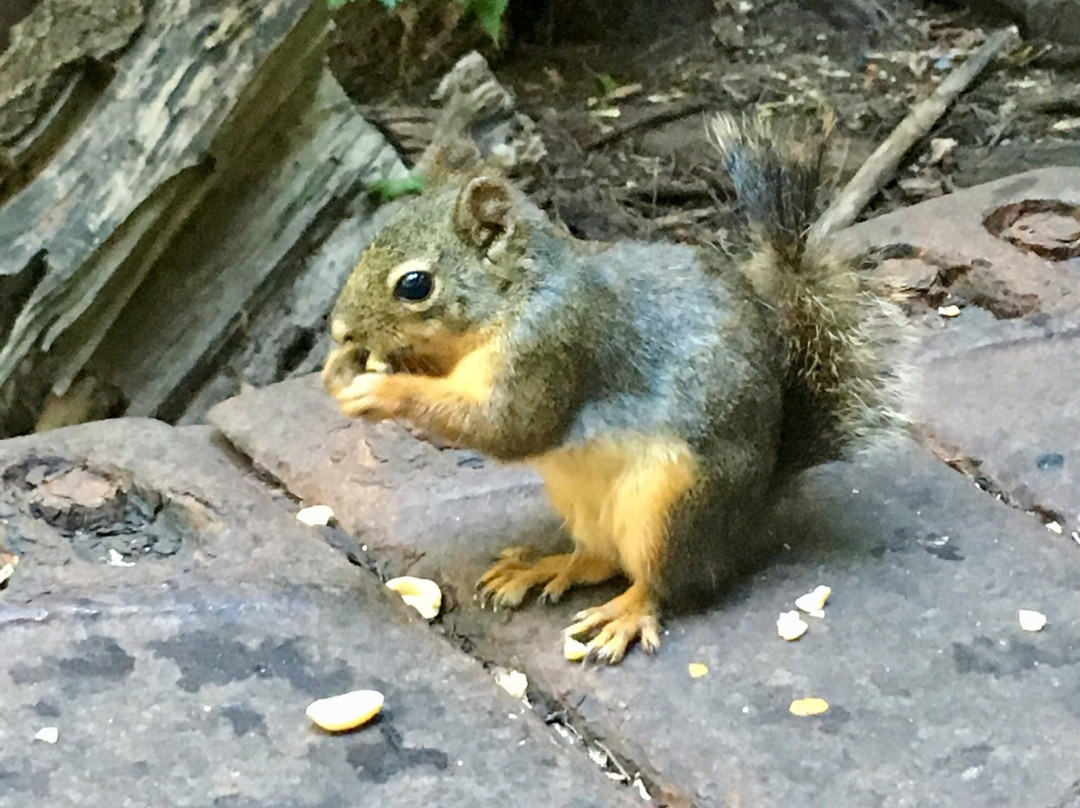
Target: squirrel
pixel 664 392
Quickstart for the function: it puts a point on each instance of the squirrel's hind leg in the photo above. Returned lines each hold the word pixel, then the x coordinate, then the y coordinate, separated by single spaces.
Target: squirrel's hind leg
pixel 624 491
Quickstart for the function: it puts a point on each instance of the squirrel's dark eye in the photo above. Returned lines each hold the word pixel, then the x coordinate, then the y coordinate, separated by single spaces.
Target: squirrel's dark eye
pixel 414 286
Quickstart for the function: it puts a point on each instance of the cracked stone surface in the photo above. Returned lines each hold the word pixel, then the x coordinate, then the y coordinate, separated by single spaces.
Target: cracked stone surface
pixel 1010 411
pixel 937 696
pixel 182 678
pixel 986 246
pixel 995 390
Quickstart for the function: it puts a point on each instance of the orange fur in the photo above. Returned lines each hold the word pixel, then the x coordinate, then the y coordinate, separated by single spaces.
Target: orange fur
pixel 438 352
pixel 441 404
pixel 515 574
pixel 616 497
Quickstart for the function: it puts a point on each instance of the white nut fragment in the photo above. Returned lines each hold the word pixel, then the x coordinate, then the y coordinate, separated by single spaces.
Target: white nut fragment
pixel 376 364
pixel 315 515
pixel 47 735
pixel 791 626
pixel 515 683
pixel 8 563
pixel 420 593
pixel 813 603
pixel 116 559
pixel 1031 620
pixel 949 311
pixel 339 330
pixel 347 711
pixel 574 650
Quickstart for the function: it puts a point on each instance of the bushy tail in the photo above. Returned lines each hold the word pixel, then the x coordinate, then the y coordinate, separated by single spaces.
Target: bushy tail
pixel 839 394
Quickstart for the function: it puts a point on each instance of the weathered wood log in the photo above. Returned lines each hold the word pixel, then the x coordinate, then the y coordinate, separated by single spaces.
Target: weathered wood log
pixel 55 50
pixel 203 167
pixel 290 335
pixel 253 234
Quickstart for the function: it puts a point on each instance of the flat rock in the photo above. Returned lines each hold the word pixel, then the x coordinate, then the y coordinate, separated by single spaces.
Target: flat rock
pixel 1011 247
pixel 167 502
pixel 1008 411
pixel 994 397
pixel 181 678
pixel 391 491
pixel 936 695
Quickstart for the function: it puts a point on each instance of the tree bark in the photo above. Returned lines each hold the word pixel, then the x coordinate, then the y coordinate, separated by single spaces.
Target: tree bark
pixel 167 172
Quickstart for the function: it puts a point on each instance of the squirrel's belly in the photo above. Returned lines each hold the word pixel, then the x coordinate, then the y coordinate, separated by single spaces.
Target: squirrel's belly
pixel 617 492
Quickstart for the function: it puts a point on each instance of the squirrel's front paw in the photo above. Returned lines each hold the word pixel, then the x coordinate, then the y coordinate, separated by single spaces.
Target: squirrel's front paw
pixel 369 396
pixel 341 366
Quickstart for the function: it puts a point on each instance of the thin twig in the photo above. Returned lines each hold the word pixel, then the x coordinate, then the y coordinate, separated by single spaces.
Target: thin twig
pixel 649 119
pixel 881 165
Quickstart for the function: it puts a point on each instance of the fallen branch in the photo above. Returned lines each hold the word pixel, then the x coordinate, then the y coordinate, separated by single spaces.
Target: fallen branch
pixel 671 192
pixel 881 165
pixel 649 119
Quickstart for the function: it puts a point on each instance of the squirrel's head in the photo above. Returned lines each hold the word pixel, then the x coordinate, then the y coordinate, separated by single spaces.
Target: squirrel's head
pixel 444 272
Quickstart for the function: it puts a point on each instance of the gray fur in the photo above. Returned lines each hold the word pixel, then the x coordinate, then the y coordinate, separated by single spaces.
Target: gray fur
pixel 610 342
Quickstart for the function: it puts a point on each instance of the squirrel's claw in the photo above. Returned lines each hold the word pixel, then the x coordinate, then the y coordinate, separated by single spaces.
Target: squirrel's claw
pixel 520 569
pixel 507 582
pixel 628 617
pixel 553 592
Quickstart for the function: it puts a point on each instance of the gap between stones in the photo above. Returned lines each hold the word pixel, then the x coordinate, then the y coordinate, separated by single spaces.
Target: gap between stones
pixel 971 468
pixel 621 765
pixel 565 720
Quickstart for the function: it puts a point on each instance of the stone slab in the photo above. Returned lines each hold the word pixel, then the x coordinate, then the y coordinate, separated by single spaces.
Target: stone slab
pixel 937 697
pixel 389 490
pixel 219 520
pixel 1015 277
pixel 1010 246
pixel 1009 412
pixel 182 679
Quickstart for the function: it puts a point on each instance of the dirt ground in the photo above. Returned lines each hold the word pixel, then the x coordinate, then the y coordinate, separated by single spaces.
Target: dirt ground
pixel 621 98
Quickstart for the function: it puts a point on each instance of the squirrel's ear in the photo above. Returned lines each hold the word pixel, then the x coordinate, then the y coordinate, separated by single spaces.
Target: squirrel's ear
pixel 449 161
pixel 484 210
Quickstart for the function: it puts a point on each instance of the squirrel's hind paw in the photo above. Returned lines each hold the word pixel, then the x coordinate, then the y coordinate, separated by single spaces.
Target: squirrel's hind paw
pixel 516 572
pixel 519 569
pixel 628 617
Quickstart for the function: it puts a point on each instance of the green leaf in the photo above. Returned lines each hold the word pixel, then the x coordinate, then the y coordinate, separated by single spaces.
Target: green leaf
pixel 608 85
pixel 489 14
pixel 390 188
